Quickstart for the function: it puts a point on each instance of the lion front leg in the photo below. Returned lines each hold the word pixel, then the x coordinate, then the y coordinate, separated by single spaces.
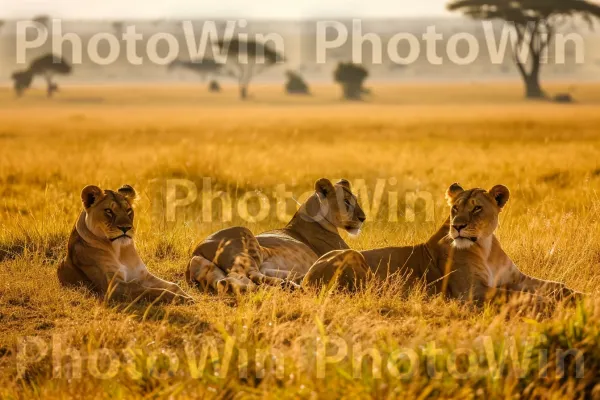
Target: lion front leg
pixel 68 275
pixel 149 288
pixel 158 283
pixel 525 283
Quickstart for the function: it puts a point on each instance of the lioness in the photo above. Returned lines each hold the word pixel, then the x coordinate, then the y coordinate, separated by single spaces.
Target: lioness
pixel 101 254
pixel 463 259
pixel 235 260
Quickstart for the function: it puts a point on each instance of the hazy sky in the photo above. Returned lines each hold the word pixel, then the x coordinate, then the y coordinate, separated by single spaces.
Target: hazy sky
pixel 158 9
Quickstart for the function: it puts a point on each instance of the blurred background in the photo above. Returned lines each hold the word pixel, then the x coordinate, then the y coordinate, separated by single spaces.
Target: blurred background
pixel 296 24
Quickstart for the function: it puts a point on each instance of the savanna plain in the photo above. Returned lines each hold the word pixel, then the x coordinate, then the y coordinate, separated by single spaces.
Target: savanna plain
pixel 406 142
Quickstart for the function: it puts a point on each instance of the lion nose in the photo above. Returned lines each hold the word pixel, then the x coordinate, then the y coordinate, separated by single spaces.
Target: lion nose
pixel 362 218
pixel 124 229
pixel 459 227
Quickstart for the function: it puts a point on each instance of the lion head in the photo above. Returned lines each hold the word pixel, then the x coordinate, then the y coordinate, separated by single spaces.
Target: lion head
pixel 109 214
pixel 474 215
pixel 337 206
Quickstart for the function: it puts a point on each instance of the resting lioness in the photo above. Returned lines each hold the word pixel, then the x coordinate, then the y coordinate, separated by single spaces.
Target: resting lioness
pixel 101 254
pixel 235 260
pixel 463 259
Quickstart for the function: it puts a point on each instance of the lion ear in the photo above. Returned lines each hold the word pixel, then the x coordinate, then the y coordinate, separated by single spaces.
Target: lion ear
pixel 90 195
pixel 344 183
pixel 501 194
pixel 454 190
pixel 128 192
pixel 323 187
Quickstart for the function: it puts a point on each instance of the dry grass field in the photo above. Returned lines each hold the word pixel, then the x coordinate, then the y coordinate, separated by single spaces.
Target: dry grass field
pixel 59 343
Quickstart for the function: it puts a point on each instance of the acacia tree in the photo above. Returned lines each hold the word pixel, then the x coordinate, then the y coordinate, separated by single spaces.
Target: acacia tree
pixel 118 26
pixel 535 23
pixel 205 67
pixel 246 59
pixel 46 66
pixel 43 20
pixel 351 77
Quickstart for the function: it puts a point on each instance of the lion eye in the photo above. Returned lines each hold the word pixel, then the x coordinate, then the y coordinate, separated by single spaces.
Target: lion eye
pixel 454 209
pixel 108 212
pixel 347 202
pixel 477 209
pixel 129 212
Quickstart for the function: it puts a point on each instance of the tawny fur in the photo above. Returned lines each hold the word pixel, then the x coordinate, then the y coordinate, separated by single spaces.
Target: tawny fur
pixel 462 260
pixel 101 253
pixel 234 260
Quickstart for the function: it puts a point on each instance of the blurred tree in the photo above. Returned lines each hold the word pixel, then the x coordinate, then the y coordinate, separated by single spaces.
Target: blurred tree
pixel 245 60
pixel 214 86
pixel 43 20
pixel 118 26
pixel 351 77
pixel 535 23
pixel 295 84
pixel 47 66
pixel 204 67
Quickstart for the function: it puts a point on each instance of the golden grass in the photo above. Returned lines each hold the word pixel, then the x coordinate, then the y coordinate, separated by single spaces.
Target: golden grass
pixel 424 136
